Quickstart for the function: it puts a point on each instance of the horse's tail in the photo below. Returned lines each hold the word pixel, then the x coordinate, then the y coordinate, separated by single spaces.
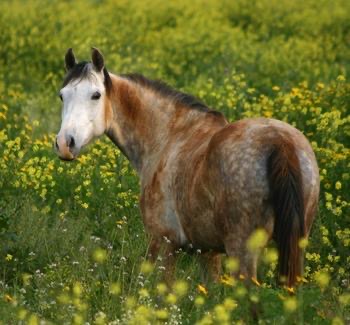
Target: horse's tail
pixel 285 182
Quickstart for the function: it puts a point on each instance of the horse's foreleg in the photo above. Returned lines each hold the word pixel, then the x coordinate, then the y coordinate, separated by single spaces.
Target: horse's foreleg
pixel 164 253
pixel 210 266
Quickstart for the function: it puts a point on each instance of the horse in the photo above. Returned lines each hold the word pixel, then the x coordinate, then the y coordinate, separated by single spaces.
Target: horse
pixel 205 183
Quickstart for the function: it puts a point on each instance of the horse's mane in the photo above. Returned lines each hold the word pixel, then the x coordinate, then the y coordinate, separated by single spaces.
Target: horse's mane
pixel 179 97
pixel 167 91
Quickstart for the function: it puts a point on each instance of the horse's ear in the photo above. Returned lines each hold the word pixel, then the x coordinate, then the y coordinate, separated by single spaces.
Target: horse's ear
pixel 97 59
pixel 70 59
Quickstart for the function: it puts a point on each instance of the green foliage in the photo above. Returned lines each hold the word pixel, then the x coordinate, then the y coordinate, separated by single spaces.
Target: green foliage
pixel 72 240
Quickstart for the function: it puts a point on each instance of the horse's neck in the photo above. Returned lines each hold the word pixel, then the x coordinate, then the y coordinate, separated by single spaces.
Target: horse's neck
pixel 144 123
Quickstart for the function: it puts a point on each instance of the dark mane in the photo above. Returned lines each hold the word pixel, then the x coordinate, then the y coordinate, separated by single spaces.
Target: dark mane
pixel 167 91
pixel 82 70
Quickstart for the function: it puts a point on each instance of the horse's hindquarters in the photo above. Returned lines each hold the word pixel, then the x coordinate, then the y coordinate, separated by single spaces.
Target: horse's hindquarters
pixel 237 165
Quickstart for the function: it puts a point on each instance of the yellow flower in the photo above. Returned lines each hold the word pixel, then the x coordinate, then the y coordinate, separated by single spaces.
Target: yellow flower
pixel 78 319
pixel 22 313
pixel 230 304
pixel 199 301
pixel 242 277
pixel 271 255
pixel 33 320
pixel 221 314
pixel 162 314
pixel 303 243
pixel 63 299
pixel 254 298
pixel 322 278
pixel 290 304
pixel 77 289
pixel 227 280
pixel 268 114
pixel 114 288
pixel 171 299
pixel 8 257
pixel 143 293
pixel 202 289
pixel 290 290
pixel 257 240
pixel 130 302
pixel 146 267
pixel 338 185
pixel 180 287
pixel 99 255
pixel 162 288
pixel 232 264
pixel 337 321
pixel 8 298
pixel 344 299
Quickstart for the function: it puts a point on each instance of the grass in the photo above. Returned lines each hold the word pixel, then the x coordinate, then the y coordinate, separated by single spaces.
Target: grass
pixel 73 247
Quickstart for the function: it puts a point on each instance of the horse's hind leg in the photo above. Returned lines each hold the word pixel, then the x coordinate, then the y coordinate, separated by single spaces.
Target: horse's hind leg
pixel 210 266
pixel 235 246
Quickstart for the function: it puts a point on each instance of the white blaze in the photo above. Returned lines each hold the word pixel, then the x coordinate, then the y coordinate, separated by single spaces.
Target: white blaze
pixel 83 117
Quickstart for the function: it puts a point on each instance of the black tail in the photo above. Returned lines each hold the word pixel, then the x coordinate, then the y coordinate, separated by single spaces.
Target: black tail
pixel 285 182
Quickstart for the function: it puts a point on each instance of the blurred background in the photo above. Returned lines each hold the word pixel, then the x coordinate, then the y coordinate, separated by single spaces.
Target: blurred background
pixel 272 42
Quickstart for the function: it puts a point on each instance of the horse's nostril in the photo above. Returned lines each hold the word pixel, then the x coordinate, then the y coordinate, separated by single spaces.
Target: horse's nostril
pixel 70 142
pixel 56 145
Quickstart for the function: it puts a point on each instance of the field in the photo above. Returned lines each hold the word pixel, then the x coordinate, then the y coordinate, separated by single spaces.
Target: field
pixel 73 247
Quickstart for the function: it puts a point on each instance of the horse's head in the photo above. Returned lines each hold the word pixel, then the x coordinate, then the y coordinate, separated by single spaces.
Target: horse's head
pixel 84 97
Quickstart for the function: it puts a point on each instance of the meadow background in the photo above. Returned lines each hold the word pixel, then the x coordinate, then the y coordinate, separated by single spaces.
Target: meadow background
pixel 72 244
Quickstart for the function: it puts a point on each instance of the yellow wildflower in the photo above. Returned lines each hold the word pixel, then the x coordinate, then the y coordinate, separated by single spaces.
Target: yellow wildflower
pixel 227 280
pixel 162 314
pixel 171 299
pixel 322 278
pixel 114 288
pixel 77 289
pixel 199 301
pixel 202 289
pixel 232 264
pixel 99 255
pixel 180 287
pixel 290 304
pixel 230 304
pixel 146 267
pixel 162 288
pixel 257 240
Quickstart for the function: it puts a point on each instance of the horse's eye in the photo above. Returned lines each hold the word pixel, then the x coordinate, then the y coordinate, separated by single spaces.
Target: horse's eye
pixel 96 95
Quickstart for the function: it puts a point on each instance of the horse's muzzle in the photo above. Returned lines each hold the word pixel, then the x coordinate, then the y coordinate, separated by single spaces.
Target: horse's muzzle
pixel 65 147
